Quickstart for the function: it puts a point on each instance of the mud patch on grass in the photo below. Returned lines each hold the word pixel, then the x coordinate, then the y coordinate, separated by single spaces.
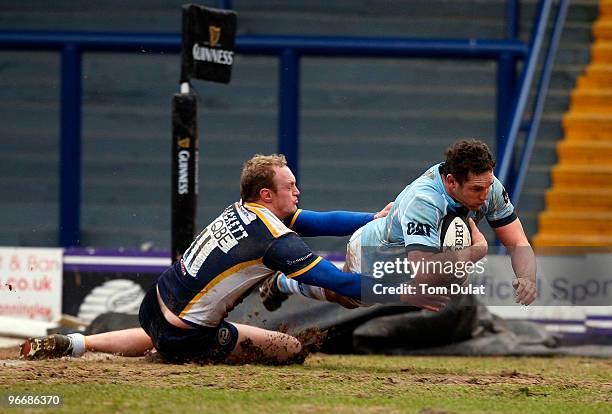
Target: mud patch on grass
pixel 428 410
pixel 310 339
pixel 9 353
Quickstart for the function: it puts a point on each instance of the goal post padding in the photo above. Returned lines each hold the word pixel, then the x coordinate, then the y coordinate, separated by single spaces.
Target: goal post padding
pixel 208 40
pixel 185 146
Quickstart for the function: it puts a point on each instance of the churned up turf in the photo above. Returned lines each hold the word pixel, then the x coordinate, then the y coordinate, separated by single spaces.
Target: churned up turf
pixel 99 383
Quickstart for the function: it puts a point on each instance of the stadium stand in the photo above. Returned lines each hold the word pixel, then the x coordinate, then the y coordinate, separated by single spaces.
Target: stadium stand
pixel 401 114
pixel 579 203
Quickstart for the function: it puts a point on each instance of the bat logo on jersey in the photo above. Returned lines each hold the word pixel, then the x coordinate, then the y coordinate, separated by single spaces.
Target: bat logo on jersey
pixel 418 229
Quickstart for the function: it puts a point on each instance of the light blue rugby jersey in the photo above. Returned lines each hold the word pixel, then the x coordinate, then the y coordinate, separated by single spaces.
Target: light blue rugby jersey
pixel 414 221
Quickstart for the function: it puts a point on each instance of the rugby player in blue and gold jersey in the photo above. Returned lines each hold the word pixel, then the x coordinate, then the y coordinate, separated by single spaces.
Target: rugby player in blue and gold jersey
pixel 183 314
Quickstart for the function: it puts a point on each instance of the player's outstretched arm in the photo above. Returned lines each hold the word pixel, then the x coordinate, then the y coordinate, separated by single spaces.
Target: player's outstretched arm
pixel 523 261
pixel 324 274
pixel 352 285
pixel 291 256
pixel 309 223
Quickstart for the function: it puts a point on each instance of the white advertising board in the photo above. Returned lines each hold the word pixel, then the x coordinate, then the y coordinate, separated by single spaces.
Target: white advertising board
pixel 31 283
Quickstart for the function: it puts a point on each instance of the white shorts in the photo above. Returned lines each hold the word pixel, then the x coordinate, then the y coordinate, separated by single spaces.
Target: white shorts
pixel 353 261
pixel 353 252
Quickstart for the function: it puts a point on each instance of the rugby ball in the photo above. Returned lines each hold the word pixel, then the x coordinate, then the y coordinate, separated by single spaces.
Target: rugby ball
pixel 455 233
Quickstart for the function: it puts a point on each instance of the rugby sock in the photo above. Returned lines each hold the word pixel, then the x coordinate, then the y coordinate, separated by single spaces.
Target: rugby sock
pixel 78 344
pixel 286 285
pixel 313 292
pixel 291 287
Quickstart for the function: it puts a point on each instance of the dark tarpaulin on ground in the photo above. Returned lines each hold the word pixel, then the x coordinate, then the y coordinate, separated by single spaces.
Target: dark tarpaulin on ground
pixel 463 328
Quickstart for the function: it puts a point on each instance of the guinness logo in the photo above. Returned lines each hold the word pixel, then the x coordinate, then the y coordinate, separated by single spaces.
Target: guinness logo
pixel 183 142
pixel 214 34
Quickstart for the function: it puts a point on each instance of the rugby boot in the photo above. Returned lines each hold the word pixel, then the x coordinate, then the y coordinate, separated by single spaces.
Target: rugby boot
pixel 270 294
pixel 46 347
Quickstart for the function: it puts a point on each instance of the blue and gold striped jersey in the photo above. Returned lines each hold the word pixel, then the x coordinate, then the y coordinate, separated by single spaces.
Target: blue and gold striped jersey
pixel 241 247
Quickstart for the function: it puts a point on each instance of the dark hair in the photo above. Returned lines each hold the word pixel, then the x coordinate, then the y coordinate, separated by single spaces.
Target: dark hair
pixel 257 173
pixel 465 156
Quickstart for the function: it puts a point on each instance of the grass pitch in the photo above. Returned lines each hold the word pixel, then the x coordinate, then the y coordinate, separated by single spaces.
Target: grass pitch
pixel 344 384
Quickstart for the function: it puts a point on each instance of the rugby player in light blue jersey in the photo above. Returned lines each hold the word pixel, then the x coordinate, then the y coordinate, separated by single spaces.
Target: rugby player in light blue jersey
pixel 183 314
pixel 463 184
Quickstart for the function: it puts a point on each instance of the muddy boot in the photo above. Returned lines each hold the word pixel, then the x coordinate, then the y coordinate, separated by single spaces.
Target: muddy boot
pixel 46 347
pixel 270 295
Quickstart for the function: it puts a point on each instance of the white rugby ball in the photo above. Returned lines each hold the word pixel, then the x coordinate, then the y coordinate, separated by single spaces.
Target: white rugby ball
pixel 455 233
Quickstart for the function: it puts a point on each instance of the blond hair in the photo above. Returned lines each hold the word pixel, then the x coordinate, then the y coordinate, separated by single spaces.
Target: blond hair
pixel 257 173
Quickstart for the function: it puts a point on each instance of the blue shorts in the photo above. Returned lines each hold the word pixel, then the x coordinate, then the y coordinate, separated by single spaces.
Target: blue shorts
pixel 177 345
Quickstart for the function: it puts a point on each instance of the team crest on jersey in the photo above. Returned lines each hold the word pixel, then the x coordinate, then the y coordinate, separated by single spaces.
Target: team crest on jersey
pixel 224 336
pixel 506 196
pixel 418 229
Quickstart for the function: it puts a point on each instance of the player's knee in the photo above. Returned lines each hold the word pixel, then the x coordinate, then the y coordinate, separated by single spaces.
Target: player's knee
pixel 285 346
pixel 294 346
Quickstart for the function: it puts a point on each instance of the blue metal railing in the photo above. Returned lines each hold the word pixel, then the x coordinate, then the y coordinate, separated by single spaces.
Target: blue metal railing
pixel 506 77
pixel 516 185
pixel 289 49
